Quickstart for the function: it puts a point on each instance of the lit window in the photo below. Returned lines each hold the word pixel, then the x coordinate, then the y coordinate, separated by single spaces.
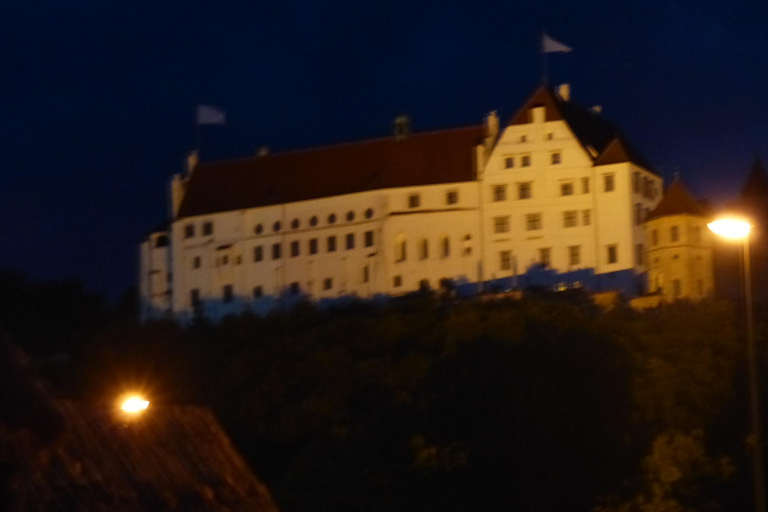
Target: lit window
pixel 350 241
pixel 570 219
pixel 524 190
pixel 586 217
pixel 585 185
pixel 313 246
pixel 501 224
pixel 613 254
pixel 505 260
pixel 608 182
pixel 258 292
pixel 446 247
pixel 294 248
pixel 207 228
pixel 566 189
pixel 414 201
pixel 331 244
pixel 533 222
pixel 258 253
pixel 509 162
pixel 674 233
pixel 424 249
pixel 452 197
pixel 499 193
pixel 574 255
pixel 526 161
pixel 555 158
pixel 189 231
pixel 369 238
pixel 545 256
pixel 228 295
pixel 397 281
pixel 327 283
pixel 277 251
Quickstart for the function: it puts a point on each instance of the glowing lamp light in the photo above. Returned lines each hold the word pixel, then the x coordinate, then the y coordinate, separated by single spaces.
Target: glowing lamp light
pixel 730 228
pixel 134 404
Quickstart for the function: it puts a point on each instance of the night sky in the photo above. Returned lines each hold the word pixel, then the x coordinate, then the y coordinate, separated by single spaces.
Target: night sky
pixel 98 97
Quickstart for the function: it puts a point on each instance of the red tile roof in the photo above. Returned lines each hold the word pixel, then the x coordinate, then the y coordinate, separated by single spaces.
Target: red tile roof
pixel 677 200
pixel 446 156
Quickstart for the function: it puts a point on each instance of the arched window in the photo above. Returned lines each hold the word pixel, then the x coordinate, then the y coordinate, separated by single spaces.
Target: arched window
pixel 368 213
pixel 313 221
pixel 276 226
pixel 332 218
pixel 259 229
pixel 295 224
pixel 350 216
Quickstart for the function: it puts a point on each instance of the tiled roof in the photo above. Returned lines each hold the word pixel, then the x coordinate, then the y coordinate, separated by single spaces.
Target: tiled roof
pixel 446 156
pixel 756 185
pixel 677 200
pixel 590 127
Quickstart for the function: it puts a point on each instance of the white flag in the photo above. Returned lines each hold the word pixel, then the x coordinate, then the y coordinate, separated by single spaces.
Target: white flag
pixel 207 114
pixel 549 45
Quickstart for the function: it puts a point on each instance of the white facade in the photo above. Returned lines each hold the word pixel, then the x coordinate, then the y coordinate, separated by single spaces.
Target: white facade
pixel 537 192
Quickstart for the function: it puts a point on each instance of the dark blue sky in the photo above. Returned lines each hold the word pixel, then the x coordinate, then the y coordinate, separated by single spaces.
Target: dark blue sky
pixel 98 97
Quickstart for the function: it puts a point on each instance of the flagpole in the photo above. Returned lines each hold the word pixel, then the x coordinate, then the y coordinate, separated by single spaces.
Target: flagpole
pixel 544 77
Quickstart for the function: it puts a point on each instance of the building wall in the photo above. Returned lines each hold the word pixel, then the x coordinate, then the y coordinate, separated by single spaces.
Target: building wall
pixel 682 268
pixel 155 277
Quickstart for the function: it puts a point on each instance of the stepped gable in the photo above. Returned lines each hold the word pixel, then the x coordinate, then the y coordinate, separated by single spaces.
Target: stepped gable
pixel 430 158
pixel 677 200
pixel 589 127
pixel 756 186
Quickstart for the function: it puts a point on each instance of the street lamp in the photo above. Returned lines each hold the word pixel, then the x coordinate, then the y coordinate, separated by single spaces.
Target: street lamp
pixel 738 229
pixel 133 404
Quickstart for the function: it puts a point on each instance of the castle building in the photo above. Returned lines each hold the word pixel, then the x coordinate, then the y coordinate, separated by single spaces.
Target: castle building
pixel 554 196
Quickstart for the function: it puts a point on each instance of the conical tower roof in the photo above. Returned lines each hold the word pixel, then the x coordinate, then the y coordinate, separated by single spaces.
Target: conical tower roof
pixel 677 200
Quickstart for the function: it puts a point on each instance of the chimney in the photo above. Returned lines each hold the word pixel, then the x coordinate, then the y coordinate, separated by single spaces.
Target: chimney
pixel 402 127
pixel 564 91
pixel 262 151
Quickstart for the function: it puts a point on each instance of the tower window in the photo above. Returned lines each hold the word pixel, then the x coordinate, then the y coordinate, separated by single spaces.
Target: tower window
pixel 369 238
pixel 613 253
pixel 313 246
pixel 452 197
pixel 526 161
pixel 608 183
pixel 509 162
pixel 295 248
pixel 331 244
pixel 570 219
pixel 327 283
pixel 414 201
pixel 189 231
pixel 350 241
pixel 258 253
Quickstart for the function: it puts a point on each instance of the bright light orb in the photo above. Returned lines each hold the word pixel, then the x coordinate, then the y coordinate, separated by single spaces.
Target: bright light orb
pixel 730 228
pixel 134 404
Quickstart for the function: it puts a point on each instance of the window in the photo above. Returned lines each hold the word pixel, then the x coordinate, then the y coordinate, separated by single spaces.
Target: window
pixel 332 218
pixel 368 238
pixel 676 288
pixel 295 224
pixel 608 182
pixel 452 197
pixel 276 226
pixel 467 245
pixel 331 244
pixel 414 201
pixel 224 260
pixel 295 288
pixel 674 233
pixel 228 295
pixel 313 221
pixel 277 251
pixel 294 248
pixel 350 241
pixel 238 259
pixel 533 222
pixel 574 255
pixel 505 260
pixel 570 219
pixel 613 255
pixel 259 229
pixel 501 224
pixel 509 162
pixel 196 262
pixel 585 185
pixel 655 237
pixel 424 249
pixel 366 274
pixel 638 214
pixel 350 216
pixel 636 182
pixel 586 217
pixel 368 213
pixel 566 189
pixel 258 292
pixel 549 136
pixel 697 234
pixel 207 228
pixel 499 193
pixel 523 138
pixel 526 161
pixel 189 231
pixel 397 281
pixel 524 190
pixel 445 247
pixel 544 256
pixel 194 297
pixel 639 255
pixel 258 253
pixel 327 283
pixel 401 248
pixel 162 241
pixel 313 246
pixel 555 158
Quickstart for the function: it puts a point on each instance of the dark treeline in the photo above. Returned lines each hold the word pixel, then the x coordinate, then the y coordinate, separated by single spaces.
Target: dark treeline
pixel 544 404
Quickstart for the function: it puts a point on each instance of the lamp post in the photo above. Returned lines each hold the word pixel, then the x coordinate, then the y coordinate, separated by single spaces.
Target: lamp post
pixel 738 229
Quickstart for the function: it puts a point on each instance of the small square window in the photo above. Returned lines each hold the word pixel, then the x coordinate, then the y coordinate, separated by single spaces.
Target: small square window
pixel 509 162
pixel 258 253
pixel 331 244
pixel 327 283
pixel 555 158
pixel 207 228
pixel 526 161
pixel 228 294
pixel 369 238
pixel 414 201
pixel 608 182
pixel 499 193
pixel 313 246
pixel 501 224
pixel 566 189
pixel 277 251
pixel 452 197
pixel 295 248
pixel 350 241
pixel 524 190
pixel 613 253
pixel 189 231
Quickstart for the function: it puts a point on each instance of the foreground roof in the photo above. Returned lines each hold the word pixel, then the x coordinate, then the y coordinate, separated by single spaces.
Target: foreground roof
pixel 677 200
pixel 419 159
pixel 601 138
